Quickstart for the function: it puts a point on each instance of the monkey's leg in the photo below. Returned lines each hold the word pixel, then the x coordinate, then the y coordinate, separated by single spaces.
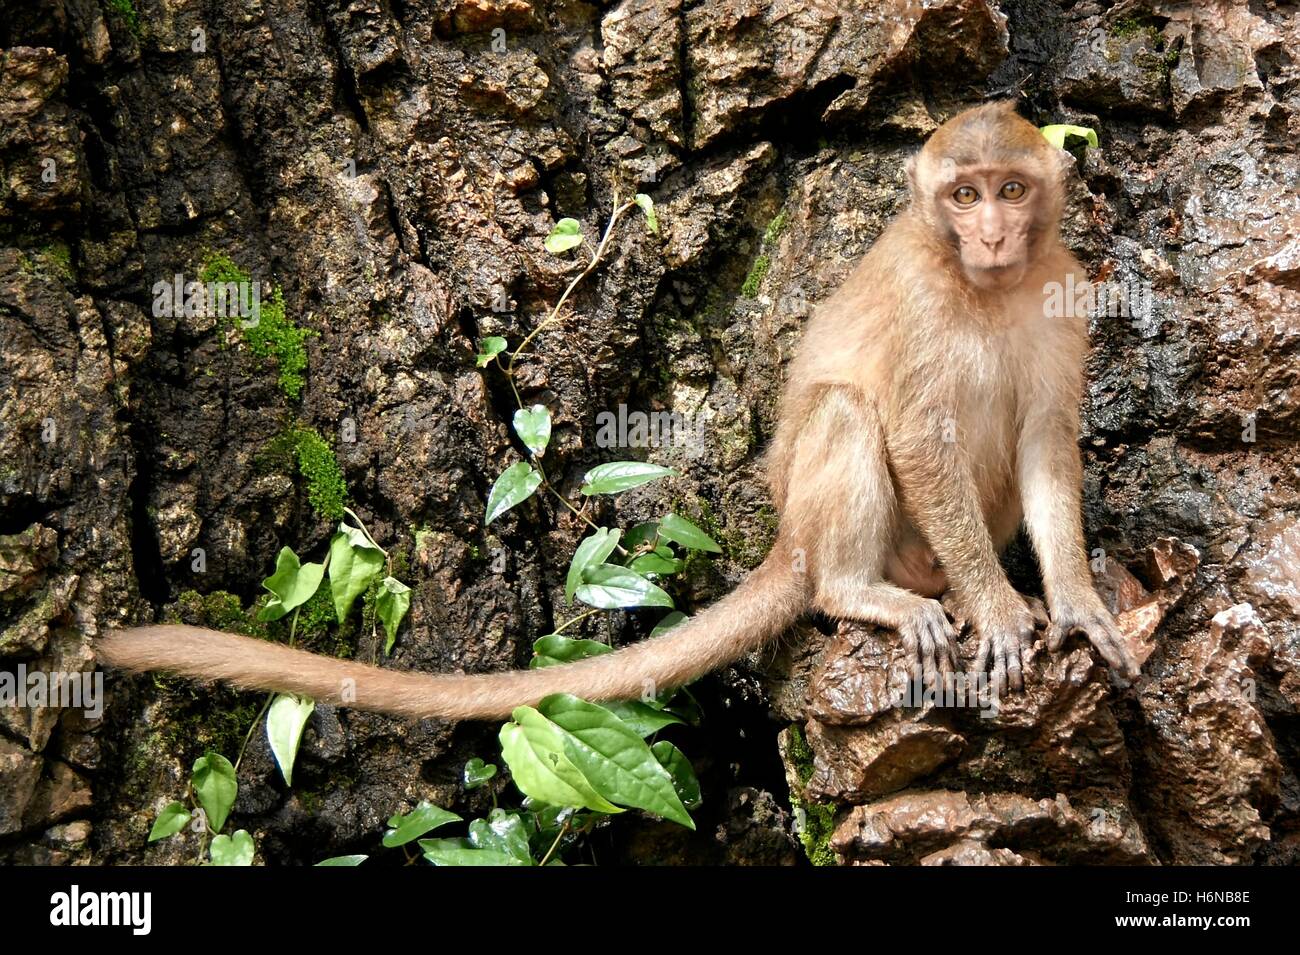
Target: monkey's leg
pixel 939 492
pixel 1051 479
pixel 841 508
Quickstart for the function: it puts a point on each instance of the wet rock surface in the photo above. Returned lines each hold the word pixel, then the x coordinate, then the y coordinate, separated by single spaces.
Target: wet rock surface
pixel 392 169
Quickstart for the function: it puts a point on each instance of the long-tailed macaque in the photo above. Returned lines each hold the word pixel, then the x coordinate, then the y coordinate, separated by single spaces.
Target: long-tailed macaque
pixel 933 407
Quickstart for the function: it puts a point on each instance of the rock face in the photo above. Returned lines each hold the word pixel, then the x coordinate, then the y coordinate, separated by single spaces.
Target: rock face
pixel 392 170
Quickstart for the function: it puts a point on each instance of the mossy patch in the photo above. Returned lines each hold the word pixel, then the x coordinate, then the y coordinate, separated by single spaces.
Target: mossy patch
pixel 763 262
pixel 273 336
pixel 129 13
pixel 299 445
pixel 818 820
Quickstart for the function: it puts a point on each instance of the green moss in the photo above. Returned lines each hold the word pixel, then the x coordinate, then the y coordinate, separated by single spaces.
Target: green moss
pixel 275 336
pixel 757 272
pixel 219 610
pixel 304 447
pixel 128 12
pixel 1131 25
pixel 326 489
pixel 800 754
pixel 818 820
pixel 776 227
pixel 316 629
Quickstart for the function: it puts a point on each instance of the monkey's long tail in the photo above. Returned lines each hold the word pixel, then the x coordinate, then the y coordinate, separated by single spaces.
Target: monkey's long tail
pixel 771 599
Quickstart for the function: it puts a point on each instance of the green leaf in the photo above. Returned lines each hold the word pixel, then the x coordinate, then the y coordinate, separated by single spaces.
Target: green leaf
pixel 618 476
pixel 533 748
pixel 611 587
pixel 593 550
pixel 170 821
pixel 515 485
pixel 502 832
pixel 613 758
pixel 641 536
pixel 554 649
pixel 285 721
pixel 652 563
pixel 391 606
pixel 232 850
pixel 566 235
pixel 461 852
pixel 489 348
pixel 424 818
pixel 534 428
pixel 644 720
pixel 681 531
pixel 354 562
pixel 213 781
pixel 477 772
pixel 342 861
pixel 668 622
pixel 291 585
pixel 648 207
pixel 679 768
pixel 1056 134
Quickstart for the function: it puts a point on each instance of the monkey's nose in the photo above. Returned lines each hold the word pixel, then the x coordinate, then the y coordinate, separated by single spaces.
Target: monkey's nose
pixel 994 245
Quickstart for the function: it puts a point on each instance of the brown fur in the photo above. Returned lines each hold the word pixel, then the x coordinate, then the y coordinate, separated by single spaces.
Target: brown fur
pixel 879 512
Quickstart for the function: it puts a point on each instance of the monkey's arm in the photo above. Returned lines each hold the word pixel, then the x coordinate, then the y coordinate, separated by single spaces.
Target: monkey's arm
pixel 1051 481
pixel 941 496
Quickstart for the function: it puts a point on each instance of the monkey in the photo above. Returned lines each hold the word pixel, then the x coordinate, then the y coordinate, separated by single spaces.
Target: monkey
pixel 931 410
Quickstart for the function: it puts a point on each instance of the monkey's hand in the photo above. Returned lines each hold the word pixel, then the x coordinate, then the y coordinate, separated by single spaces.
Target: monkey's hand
pixel 1004 636
pixel 931 644
pixel 1088 616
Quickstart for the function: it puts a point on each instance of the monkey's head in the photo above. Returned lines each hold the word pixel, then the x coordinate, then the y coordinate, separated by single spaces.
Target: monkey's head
pixel 991 185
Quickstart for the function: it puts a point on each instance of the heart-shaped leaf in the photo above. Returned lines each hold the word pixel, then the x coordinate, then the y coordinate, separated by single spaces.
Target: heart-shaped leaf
pixel 613 758
pixel 461 852
pixel 424 818
pixel 681 531
pixel 477 772
pixel 1056 134
pixel 533 748
pixel 566 235
pixel 679 768
pixel 652 563
pixel 232 850
pixel 354 562
pixel 618 476
pixel 611 587
pixel 554 649
pixel 489 348
pixel 593 550
pixel 291 585
pixel 533 425
pixel 170 821
pixel 213 781
pixel 342 861
pixel 285 721
pixel 647 205
pixel 391 606
pixel 668 622
pixel 515 485
pixel 644 720
pixel 502 832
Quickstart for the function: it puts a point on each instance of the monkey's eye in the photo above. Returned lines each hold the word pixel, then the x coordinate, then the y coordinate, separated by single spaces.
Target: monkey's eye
pixel 965 196
pixel 1012 190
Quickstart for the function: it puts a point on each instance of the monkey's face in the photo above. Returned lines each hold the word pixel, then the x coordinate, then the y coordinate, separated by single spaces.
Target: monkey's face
pixel 993 218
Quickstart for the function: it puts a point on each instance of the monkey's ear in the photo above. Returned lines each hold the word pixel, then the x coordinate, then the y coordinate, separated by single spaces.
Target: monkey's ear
pixel 909 166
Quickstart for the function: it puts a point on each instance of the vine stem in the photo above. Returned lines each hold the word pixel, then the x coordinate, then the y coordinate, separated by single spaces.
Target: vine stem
pixel 555 312
pixel 570 622
pixel 554 845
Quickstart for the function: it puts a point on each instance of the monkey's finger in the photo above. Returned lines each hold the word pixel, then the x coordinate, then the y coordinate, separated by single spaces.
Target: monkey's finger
pixel 911 649
pixel 1115 652
pixel 1055 638
pixel 945 651
pixel 982 655
pixel 1014 674
pixel 999 675
pixel 928 665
